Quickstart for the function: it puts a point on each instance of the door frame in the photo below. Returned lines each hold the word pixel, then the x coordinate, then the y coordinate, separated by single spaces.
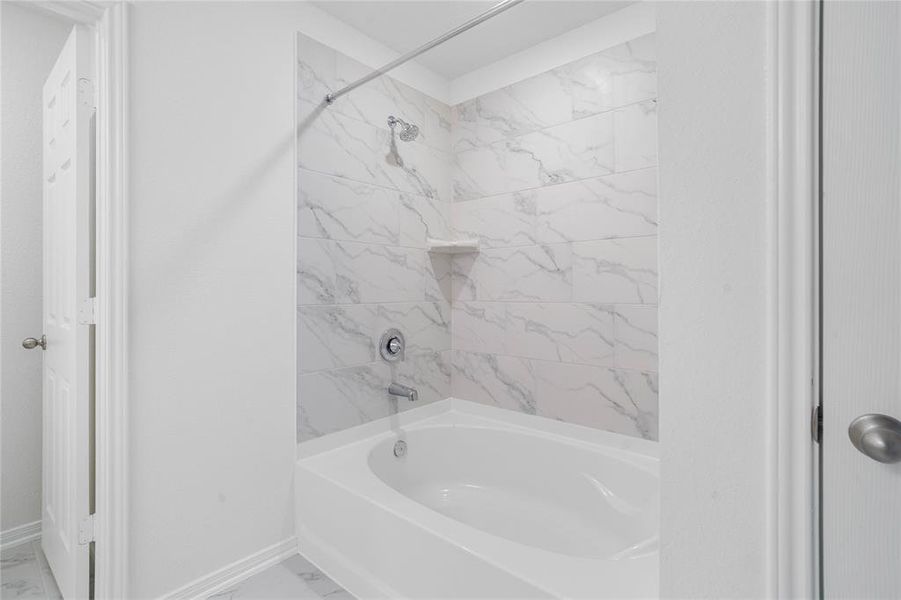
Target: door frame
pixel 793 563
pixel 108 22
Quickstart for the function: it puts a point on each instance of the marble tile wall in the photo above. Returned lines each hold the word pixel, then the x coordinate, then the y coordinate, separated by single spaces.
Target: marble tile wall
pixel 366 204
pixel 556 176
pixel 556 316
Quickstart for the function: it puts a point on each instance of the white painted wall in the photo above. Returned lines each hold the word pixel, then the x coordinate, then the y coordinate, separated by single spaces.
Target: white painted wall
pixel 713 373
pixel 212 286
pixel 29 44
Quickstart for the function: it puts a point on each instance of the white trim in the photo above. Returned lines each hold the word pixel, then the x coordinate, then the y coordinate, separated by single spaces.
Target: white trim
pixel 109 21
pixel 238 571
pixel 83 12
pixel 791 509
pixel 15 536
pixel 605 32
pixel 111 548
pixel 338 35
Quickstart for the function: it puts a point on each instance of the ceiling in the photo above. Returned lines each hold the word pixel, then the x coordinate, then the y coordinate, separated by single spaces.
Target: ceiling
pixel 405 25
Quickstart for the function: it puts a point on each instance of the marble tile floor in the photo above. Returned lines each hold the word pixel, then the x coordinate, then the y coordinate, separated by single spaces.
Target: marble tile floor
pixel 294 577
pixel 24 573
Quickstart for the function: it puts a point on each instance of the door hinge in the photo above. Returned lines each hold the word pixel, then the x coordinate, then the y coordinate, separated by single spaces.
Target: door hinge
pixel 87 311
pixel 816 424
pixel 86 530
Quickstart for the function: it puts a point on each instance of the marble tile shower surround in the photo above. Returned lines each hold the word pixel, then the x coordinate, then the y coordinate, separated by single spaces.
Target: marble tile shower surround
pixel 555 175
pixel 366 205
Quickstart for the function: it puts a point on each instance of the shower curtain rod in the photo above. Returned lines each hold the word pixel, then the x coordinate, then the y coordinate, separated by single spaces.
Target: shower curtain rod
pixel 494 10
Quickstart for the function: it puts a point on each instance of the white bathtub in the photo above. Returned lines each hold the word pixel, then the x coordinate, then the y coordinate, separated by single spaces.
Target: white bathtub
pixel 486 503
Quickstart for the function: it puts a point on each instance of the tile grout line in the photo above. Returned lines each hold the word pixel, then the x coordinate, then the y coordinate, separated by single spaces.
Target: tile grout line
pixel 484 248
pixel 476 352
pixel 610 111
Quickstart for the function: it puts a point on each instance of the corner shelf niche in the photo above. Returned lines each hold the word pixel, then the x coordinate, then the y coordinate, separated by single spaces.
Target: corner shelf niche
pixel 452 246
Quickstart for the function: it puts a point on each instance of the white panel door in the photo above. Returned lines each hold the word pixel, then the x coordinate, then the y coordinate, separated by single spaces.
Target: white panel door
pixel 861 140
pixel 67 172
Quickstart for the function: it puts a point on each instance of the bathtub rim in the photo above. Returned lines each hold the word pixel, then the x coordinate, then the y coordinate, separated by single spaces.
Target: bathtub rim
pixel 530 424
pixel 509 557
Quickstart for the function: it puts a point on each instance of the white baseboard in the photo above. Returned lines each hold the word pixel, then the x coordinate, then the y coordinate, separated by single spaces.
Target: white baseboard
pixel 19 535
pixel 236 572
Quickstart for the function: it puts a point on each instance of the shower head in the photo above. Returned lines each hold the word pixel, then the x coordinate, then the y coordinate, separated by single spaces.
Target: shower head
pixel 408 131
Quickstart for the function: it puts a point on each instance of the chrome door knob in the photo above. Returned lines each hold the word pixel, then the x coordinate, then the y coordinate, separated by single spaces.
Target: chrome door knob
pixel 877 436
pixel 32 343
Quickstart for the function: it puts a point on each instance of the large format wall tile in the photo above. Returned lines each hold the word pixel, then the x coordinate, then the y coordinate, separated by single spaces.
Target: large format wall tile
pixel 591 88
pixel 567 152
pixel 634 70
pixel 561 331
pixel 343 209
pixel 620 205
pixel 374 273
pixel 417 168
pixel 613 399
pixel 366 205
pixel 616 271
pixel 426 325
pixel 335 144
pixel 337 336
pixel 330 337
pixel 635 132
pixel 322 70
pixel 636 337
pixel 555 177
pixel 331 272
pixel 421 218
pixel 536 103
pixel 481 327
pixel 536 273
pixel 497 221
pixel 316 70
pixel 316 278
pixel 497 380
pixel 439 277
pixel 616 77
pixel 336 399
pixel 429 374
pixel 384 96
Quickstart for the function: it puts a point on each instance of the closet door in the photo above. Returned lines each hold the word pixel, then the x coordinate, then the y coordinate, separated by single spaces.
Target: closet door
pixel 861 299
pixel 67 530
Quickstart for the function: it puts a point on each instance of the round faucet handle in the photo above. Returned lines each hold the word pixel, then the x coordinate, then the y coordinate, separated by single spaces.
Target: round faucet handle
pixel 391 345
